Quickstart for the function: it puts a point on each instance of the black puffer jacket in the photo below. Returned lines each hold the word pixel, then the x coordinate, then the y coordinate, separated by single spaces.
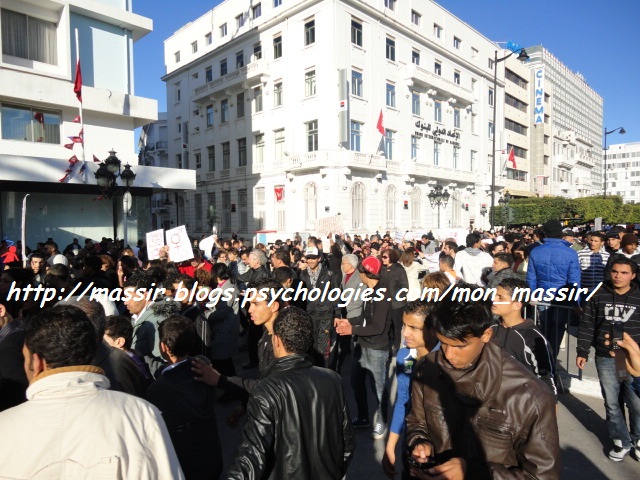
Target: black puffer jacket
pixel 298 425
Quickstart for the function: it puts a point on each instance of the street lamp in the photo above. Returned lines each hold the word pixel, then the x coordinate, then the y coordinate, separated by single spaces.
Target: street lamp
pixel 522 56
pixel 504 204
pixel 622 132
pixel 438 198
pixel 106 178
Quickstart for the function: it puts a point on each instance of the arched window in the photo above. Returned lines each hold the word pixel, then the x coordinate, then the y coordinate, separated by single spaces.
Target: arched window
pixel 310 205
pixel 358 206
pixel 390 206
pixel 416 210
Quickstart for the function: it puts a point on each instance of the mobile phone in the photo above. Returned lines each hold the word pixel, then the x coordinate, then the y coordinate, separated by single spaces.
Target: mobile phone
pixel 617 330
pixel 430 463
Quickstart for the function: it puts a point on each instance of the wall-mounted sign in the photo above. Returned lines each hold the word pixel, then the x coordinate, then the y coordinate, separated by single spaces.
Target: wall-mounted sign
pixel 438 135
pixel 538 100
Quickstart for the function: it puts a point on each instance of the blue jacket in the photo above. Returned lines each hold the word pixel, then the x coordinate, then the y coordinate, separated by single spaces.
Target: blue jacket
pixel 553 264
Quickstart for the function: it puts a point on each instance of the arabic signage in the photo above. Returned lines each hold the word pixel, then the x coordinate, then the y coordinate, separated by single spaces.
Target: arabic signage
pixel 439 135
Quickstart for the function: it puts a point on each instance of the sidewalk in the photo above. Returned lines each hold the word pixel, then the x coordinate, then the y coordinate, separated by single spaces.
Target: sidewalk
pixel 571 378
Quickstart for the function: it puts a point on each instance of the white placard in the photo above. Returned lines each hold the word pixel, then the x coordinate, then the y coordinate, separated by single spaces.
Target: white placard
pixel 460 234
pixel 206 245
pixel 179 244
pixel 155 241
pixel 329 225
pixel 432 261
pixel 598 223
pixel 398 237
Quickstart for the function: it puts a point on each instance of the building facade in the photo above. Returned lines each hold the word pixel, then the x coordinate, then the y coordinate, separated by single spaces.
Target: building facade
pixel 39 116
pixel 294 112
pixel 623 171
pixel 566 134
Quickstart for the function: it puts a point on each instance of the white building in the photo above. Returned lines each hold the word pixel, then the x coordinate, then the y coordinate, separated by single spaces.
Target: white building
pixel 567 144
pixel 276 107
pixel 623 171
pixel 37 111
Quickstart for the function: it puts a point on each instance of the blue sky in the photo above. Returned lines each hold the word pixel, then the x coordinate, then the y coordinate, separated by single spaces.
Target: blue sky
pixel 593 37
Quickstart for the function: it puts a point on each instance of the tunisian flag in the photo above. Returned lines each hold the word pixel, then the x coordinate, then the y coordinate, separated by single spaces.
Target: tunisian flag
pixel 512 159
pixel 279 191
pixel 77 84
pixel 380 125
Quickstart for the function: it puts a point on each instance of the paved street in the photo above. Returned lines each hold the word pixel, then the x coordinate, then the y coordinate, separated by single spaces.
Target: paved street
pixel 583 439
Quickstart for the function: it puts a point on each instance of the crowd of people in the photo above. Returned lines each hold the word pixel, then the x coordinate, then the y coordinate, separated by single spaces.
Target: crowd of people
pixel 128 384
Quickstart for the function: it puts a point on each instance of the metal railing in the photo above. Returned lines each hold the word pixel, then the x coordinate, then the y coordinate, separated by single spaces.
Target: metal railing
pixel 559 325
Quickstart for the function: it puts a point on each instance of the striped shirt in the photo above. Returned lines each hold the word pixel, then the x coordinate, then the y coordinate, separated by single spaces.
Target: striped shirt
pixel 592 265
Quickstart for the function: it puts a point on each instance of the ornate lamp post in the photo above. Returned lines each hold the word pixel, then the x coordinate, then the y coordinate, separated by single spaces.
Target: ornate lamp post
pixel 504 203
pixel 438 198
pixel 106 178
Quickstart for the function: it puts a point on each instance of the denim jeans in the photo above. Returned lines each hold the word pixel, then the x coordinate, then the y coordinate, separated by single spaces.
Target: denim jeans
pixel 616 423
pixel 553 325
pixel 372 363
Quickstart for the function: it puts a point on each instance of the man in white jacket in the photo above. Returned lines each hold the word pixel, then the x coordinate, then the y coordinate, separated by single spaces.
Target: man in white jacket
pixel 470 262
pixel 72 427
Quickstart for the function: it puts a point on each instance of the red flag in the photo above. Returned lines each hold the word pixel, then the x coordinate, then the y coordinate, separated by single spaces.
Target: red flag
pixel 380 125
pixel 69 145
pixel 39 117
pixel 512 159
pixel 279 191
pixel 77 119
pixel 73 160
pixel 76 139
pixel 77 84
pixel 96 159
pixel 63 178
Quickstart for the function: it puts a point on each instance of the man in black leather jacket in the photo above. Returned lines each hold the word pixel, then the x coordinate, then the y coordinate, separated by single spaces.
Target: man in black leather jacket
pixel 298 424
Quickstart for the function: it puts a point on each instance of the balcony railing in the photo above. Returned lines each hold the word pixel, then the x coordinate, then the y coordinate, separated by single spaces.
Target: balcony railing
pixel 245 77
pixel 416 75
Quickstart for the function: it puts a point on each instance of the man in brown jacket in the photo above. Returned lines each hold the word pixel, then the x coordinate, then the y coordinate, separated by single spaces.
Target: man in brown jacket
pixel 476 412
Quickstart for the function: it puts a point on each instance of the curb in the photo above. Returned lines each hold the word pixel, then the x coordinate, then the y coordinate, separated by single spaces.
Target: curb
pixel 587 386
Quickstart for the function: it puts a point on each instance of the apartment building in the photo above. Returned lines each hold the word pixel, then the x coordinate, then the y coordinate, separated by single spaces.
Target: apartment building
pixel 567 129
pixel 294 112
pixel 623 171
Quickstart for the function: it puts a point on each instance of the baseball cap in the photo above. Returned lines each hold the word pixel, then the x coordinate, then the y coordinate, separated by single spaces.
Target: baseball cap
pixel 375 246
pixel 59 258
pixel 372 265
pixel 611 234
pixel 311 252
pixel 567 232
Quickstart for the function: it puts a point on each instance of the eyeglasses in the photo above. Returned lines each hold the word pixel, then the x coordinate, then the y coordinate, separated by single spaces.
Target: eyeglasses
pixel 385 256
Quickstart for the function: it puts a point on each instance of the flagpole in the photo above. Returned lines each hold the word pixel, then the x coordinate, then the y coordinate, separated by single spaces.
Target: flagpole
pixel 24 231
pixel 84 162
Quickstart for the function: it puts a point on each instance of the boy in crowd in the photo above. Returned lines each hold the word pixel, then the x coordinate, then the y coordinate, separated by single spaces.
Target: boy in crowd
pixel 475 411
pixel 420 339
pixel 520 337
pixel 617 301
pixel 187 406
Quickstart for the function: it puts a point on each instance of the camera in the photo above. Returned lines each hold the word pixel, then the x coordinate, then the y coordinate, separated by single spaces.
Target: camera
pixel 617 330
